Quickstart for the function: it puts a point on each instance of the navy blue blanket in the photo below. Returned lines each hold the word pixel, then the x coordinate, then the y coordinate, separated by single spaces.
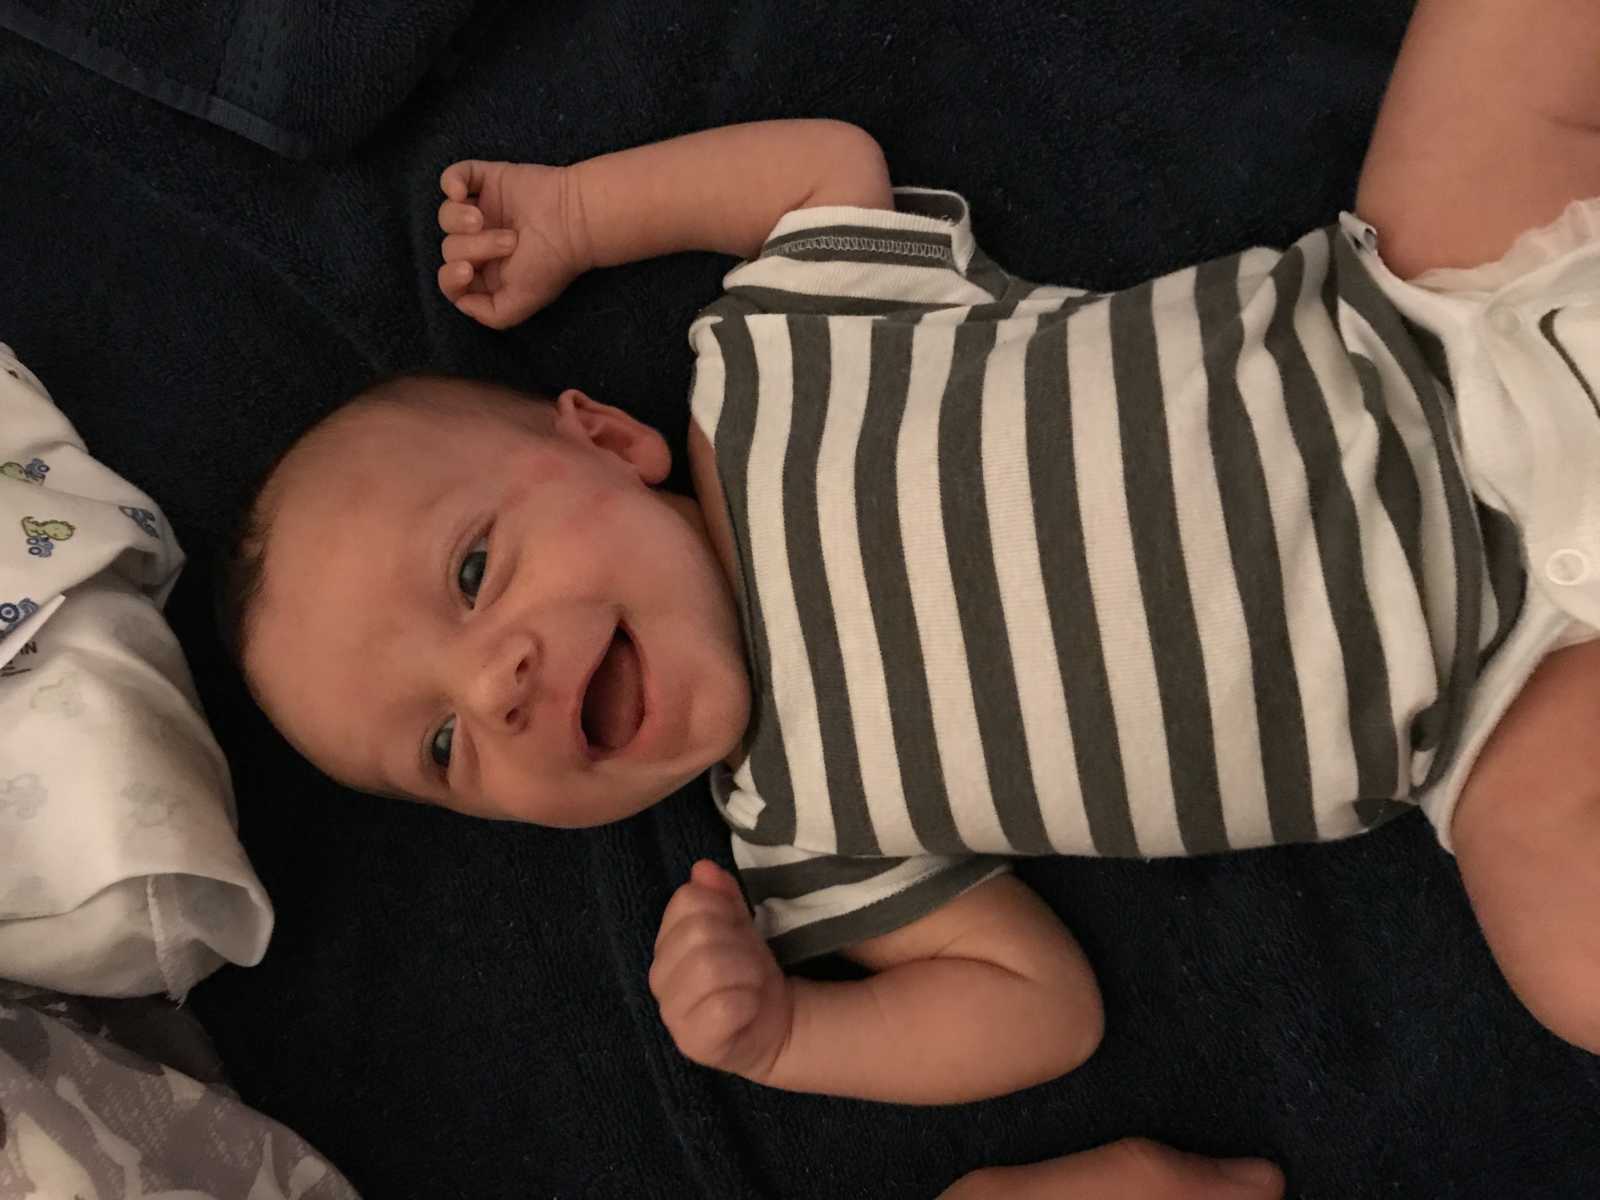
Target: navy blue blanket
pixel 452 1008
pixel 302 77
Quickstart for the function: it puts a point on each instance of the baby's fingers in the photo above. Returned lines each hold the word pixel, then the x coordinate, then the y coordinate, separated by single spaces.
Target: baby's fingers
pixel 709 1030
pixel 482 307
pixel 686 974
pixel 465 178
pixel 456 217
pixel 455 281
pixel 479 248
pixel 711 876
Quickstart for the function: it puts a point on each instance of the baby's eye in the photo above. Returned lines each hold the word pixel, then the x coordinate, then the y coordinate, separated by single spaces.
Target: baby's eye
pixel 439 747
pixel 470 576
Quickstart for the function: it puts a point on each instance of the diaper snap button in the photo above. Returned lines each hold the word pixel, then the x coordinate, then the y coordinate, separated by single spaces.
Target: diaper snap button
pixel 1504 320
pixel 1567 567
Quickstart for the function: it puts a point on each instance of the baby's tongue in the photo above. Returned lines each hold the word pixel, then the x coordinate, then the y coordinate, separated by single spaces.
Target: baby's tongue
pixel 614 705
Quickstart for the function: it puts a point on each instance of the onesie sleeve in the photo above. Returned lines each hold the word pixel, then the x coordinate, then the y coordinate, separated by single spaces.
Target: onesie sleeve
pixel 808 904
pixel 842 261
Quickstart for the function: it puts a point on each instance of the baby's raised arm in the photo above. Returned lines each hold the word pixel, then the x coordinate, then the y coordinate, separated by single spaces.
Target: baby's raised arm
pixel 1490 126
pixel 720 189
pixel 518 233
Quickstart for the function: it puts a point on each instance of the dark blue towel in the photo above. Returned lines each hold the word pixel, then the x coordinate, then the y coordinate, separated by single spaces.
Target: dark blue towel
pixel 306 78
pixel 452 1008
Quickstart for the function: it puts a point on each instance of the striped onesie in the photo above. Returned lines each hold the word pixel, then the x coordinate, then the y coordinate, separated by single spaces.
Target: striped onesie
pixel 1190 567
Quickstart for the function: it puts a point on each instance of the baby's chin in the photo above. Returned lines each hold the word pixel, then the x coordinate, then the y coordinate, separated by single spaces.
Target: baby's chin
pixel 733 722
pixel 607 811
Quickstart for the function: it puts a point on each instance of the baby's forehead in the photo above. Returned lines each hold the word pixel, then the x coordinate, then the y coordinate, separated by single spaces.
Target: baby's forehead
pixel 390 422
pixel 379 437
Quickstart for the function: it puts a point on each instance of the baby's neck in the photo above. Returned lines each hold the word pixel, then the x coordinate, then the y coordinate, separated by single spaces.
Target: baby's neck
pixel 711 513
pixel 711 516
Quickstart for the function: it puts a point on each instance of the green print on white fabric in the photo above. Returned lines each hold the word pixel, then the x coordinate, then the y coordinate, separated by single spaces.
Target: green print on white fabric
pixel 33 471
pixel 43 534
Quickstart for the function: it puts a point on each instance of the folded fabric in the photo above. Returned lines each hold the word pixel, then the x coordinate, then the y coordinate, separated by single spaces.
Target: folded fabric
pixel 120 870
pixel 82 1114
pixel 305 78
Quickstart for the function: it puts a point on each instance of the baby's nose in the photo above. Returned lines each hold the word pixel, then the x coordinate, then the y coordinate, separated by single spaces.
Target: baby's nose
pixel 503 684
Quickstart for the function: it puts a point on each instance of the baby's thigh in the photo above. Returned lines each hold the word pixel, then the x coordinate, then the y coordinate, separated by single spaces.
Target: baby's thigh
pixel 1526 835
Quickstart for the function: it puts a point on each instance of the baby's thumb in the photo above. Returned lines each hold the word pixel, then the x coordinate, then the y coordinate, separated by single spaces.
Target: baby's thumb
pixel 1256 1176
pixel 709 875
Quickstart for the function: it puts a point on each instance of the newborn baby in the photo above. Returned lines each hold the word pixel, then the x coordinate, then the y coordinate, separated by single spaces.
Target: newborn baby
pixel 1272 549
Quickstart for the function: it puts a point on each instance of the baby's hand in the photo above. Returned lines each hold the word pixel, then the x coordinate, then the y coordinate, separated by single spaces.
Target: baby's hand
pixel 508 249
pixel 722 995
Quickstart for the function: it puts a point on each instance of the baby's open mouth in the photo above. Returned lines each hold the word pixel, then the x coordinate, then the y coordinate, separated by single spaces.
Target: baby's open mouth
pixel 613 705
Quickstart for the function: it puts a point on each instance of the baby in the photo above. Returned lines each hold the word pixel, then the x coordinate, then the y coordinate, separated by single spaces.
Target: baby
pixel 1268 550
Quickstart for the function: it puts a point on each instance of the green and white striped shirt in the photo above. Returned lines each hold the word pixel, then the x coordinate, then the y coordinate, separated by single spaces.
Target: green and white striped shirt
pixel 1029 570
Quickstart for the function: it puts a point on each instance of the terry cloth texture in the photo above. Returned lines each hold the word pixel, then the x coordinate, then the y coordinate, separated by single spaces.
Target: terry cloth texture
pixel 452 1007
pixel 305 78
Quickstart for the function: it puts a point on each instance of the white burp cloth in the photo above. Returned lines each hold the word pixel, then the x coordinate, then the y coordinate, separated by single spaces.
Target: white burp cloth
pixel 120 869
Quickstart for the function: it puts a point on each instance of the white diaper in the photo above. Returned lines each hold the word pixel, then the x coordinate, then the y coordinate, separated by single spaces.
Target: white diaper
pixel 120 871
pixel 1522 338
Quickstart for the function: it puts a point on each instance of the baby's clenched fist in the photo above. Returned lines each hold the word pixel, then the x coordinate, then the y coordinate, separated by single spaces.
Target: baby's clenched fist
pixel 512 243
pixel 722 995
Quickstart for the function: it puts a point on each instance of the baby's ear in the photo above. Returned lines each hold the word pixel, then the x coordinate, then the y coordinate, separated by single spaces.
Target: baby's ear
pixel 614 431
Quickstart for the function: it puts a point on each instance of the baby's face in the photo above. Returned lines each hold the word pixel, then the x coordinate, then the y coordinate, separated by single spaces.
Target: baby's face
pixel 462 609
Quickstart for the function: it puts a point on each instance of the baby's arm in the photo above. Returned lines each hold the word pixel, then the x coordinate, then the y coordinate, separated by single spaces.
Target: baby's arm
pixel 1490 126
pixel 720 189
pixel 518 233
pixel 985 995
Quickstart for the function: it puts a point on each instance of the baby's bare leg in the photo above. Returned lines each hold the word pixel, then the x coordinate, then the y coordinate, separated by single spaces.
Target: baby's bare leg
pixel 1132 1167
pixel 1491 124
pixel 1527 838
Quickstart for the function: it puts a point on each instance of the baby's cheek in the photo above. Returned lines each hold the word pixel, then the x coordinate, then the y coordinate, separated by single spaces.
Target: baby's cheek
pixel 512 787
pixel 594 519
pixel 729 706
